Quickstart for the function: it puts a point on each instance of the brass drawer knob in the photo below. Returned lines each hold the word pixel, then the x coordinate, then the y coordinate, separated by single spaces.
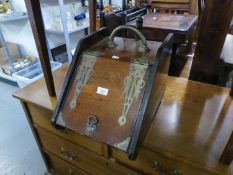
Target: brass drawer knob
pixel 176 172
pixel 68 154
pixel 157 167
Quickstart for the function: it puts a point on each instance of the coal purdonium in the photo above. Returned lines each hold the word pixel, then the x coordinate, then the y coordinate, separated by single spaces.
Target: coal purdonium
pixel 113 88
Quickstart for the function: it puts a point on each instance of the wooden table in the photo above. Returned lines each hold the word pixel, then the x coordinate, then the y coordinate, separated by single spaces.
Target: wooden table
pixel 188 134
pixel 156 26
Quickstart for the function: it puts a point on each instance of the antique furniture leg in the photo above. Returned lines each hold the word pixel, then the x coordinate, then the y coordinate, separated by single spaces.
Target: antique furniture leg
pixel 36 21
pixel 172 68
pixel 227 155
pixel 231 93
pixel 92 14
pixel 191 40
pixel 206 63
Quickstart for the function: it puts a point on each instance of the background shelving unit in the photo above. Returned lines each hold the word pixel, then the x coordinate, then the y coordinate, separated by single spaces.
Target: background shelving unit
pixel 76 29
pixel 16 37
pixel 118 4
pixel 10 18
pixel 66 35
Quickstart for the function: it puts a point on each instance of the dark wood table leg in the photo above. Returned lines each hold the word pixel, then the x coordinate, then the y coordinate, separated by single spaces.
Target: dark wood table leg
pixel 172 67
pixel 231 93
pixel 37 25
pixel 92 14
pixel 191 39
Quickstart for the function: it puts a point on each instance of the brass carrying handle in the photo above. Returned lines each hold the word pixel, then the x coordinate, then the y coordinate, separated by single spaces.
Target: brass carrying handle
pixel 142 48
pixel 157 167
pixel 68 154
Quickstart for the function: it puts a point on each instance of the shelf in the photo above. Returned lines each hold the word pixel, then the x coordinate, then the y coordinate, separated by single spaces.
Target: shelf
pixel 8 77
pixel 57 1
pixel 12 17
pixel 76 29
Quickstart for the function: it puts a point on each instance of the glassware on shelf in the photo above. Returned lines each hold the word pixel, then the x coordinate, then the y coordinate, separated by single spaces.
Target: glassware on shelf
pixel 75 14
pixel 58 23
pixel 116 8
pixel 80 18
pixel 19 64
pixel 80 15
pixel 70 21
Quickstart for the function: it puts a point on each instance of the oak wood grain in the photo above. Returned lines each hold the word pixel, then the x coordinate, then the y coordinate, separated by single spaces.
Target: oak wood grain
pixel 192 125
pixel 108 108
pixel 92 13
pixel 59 167
pixel 42 118
pixel 82 158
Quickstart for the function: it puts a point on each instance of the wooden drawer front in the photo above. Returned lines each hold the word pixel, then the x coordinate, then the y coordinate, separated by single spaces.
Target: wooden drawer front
pixel 60 167
pixel 79 156
pixel 151 163
pixel 42 118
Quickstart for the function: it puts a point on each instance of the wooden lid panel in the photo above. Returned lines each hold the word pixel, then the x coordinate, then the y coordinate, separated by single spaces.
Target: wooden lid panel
pixel 126 49
pixel 166 21
pixel 108 89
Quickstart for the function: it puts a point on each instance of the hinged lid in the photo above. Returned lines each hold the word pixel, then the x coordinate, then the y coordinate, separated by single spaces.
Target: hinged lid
pixel 106 91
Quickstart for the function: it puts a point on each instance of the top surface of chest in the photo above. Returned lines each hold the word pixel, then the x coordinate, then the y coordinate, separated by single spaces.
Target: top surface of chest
pixel 194 122
pixel 188 107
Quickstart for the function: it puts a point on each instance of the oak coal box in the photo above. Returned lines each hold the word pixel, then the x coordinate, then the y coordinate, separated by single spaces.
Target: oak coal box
pixel 113 88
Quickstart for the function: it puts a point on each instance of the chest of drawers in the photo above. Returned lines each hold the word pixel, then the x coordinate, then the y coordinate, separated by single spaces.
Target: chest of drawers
pixel 183 138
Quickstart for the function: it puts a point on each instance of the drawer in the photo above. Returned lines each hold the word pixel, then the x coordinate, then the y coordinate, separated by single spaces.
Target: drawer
pixel 58 166
pixel 79 156
pixel 150 163
pixel 42 118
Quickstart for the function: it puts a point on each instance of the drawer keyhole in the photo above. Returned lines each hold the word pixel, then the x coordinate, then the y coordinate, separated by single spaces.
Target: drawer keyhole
pixel 92 122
